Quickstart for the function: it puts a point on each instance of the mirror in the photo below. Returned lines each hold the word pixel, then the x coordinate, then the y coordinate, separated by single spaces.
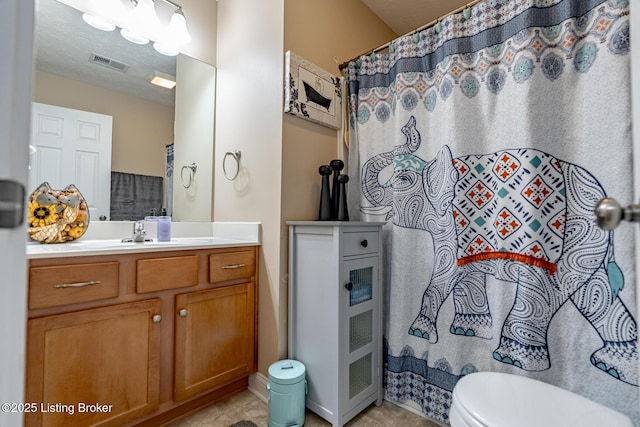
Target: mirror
pixel 82 68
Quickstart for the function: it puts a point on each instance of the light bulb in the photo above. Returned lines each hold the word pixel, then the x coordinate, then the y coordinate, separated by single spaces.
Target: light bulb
pixel 143 24
pixel 133 37
pixel 102 14
pixel 165 49
pixel 98 22
pixel 177 30
pixel 144 16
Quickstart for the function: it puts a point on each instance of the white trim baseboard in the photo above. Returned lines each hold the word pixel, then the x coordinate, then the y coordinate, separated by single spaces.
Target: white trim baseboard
pixel 258 386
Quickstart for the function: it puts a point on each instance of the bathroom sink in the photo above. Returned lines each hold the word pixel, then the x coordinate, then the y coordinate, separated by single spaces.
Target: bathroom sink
pixel 106 244
pixel 116 246
pixel 106 239
pixel 176 241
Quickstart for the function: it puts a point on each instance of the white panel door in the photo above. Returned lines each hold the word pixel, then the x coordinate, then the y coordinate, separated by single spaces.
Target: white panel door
pixel 72 147
pixel 16 33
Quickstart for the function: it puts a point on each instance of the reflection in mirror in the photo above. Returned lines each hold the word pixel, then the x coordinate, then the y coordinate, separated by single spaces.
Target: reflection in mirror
pixel 81 68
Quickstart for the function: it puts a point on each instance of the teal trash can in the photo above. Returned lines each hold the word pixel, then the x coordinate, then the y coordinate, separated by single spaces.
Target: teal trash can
pixel 287 390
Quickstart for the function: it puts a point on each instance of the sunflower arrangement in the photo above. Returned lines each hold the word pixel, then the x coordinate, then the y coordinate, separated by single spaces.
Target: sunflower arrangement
pixel 39 216
pixel 57 216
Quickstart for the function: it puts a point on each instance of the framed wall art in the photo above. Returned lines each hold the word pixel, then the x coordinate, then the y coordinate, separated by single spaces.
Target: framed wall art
pixel 311 92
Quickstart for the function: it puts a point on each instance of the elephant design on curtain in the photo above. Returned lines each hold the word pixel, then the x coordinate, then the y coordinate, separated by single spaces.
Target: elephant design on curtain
pixel 522 216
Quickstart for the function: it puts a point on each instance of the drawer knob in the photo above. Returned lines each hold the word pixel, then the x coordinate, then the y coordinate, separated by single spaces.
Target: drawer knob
pixel 183 312
pixel 349 286
pixel 364 243
pixel 156 318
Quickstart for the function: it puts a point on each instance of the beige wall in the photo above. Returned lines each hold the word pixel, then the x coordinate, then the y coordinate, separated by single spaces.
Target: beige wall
pixel 201 16
pixel 353 29
pixel 141 128
pixel 280 153
pixel 321 30
pixel 249 118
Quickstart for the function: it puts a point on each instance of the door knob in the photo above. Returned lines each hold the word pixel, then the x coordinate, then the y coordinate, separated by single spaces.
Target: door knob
pixel 609 213
pixel 183 312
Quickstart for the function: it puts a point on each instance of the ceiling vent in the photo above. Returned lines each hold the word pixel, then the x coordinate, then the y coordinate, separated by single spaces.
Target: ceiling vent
pixel 108 62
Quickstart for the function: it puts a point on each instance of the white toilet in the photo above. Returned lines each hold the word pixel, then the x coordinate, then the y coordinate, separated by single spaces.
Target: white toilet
pixel 491 399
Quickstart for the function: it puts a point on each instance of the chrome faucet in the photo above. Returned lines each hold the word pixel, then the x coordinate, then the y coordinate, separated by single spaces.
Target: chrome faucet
pixel 138 235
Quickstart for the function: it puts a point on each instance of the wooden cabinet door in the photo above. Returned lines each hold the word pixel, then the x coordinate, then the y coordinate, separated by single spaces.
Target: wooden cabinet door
pixel 215 338
pixel 97 367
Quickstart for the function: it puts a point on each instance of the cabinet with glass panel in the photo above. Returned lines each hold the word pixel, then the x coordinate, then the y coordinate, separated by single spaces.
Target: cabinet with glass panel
pixel 335 314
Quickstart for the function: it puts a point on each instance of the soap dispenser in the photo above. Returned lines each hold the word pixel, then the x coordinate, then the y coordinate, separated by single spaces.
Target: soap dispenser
pixel 164 228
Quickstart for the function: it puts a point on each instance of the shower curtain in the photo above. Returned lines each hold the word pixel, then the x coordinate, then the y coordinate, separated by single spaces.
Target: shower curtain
pixel 133 196
pixel 486 141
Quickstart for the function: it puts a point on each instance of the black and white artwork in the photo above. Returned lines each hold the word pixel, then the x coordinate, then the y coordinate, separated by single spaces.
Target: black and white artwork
pixel 311 92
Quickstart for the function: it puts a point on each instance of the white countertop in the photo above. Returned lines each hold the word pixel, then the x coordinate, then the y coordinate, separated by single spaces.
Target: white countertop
pixel 99 239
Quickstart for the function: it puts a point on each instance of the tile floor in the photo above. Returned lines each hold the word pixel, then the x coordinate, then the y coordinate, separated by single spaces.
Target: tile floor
pixel 246 406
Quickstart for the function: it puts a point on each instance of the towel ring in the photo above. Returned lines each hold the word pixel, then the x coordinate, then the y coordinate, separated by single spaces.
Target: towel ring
pixel 192 172
pixel 236 156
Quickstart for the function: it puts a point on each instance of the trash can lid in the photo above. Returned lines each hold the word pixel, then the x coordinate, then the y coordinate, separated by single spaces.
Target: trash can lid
pixel 286 371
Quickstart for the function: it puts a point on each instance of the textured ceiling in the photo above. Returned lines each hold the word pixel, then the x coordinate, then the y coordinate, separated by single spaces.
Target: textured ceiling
pixel 64 44
pixel 403 16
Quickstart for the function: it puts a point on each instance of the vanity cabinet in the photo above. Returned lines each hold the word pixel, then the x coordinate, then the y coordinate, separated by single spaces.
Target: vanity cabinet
pixel 335 314
pixel 149 336
pixel 214 338
pixel 51 286
pixel 105 356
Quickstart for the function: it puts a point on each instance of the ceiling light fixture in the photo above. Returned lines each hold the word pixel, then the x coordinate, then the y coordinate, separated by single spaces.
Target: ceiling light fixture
pixel 161 79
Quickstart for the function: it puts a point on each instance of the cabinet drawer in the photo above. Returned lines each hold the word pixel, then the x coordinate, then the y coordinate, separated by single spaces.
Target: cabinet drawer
pixel 158 274
pixel 365 242
pixel 231 265
pixel 69 284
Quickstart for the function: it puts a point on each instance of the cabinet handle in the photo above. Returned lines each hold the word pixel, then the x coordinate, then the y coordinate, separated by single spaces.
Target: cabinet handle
pixel 77 285
pixel 364 243
pixel 156 318
pixel 230 267
pixel 349 286
pixel 183 312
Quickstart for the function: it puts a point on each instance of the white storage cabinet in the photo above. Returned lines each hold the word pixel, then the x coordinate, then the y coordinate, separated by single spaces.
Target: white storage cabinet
pixel 335 314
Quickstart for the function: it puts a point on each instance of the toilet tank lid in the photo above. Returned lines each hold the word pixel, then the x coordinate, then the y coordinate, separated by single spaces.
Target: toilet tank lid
pixel 505 400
